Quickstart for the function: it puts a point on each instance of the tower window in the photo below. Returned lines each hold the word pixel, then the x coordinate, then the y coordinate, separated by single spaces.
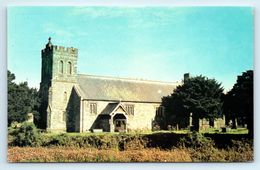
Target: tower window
pixel 61 66
pixel 69 68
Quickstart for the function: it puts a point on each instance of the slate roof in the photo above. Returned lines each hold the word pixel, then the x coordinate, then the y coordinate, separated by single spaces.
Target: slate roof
pixel 122 89
pixel 109 108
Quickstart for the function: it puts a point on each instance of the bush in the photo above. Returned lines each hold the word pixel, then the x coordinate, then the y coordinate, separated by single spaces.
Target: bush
pixel 196 140
pixel 201 148
pixel 23 134
pixel 135 142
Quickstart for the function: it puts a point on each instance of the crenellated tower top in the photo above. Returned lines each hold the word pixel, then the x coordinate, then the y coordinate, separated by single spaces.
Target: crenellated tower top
pixel 59 49
pixel 59 63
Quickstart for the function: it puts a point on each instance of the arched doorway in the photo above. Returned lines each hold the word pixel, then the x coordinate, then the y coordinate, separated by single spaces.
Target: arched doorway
pixel 119 121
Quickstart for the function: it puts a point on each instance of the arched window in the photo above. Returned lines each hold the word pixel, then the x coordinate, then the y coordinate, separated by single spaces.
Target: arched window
pixel 64 116
pixel 61 66
pixel 69 69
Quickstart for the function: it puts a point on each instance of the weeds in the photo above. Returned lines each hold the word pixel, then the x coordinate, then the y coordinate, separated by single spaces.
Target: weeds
pixel 64 154
pixel 159 147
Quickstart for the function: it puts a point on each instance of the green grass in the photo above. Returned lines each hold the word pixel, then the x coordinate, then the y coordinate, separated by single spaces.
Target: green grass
pixel 231 131
pixel 185 131
pixel 209 130
pixel 238 131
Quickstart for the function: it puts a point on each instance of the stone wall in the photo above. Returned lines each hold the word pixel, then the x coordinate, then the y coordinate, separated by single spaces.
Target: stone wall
pixel 59 95
pixel 73 112
pixel 144 114
pixel 65 56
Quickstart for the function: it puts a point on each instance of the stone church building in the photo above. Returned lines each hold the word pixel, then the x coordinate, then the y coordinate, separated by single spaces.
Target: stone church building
pixel 80 103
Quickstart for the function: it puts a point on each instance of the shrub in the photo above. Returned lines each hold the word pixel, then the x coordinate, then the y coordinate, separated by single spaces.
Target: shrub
pixel 196 140
pixel 23 134
pixel 135 142
pixel 203 149
pixel 200 147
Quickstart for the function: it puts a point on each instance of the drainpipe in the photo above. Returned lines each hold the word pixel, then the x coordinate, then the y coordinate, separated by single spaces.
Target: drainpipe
pixel 111 124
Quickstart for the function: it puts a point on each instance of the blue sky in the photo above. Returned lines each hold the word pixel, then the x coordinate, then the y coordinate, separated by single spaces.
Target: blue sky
pixel 156 43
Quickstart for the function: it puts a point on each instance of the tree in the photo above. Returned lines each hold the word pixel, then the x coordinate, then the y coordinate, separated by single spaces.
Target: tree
pixel 197 95
pixel 239 100
pixel 21 100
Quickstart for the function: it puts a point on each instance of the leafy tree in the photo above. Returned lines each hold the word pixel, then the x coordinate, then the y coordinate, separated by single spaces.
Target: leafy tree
pixel 21 100
pixel 198 95
pixel 238 103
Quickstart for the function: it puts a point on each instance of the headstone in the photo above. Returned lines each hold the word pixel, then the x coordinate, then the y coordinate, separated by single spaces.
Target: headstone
pixel 30 117
pixel 190 119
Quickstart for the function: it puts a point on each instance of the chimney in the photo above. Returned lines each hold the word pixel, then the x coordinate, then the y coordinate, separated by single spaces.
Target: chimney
pixel 186 77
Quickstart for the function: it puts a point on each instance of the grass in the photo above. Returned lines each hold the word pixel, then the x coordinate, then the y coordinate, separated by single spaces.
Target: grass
pixel 182 131
pixel 231 131
pixel 185 131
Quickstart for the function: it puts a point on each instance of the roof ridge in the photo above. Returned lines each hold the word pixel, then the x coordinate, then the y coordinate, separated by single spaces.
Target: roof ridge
pixel 129 79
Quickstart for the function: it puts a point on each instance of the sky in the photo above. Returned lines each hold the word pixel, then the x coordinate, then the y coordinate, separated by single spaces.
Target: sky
pixel 154 43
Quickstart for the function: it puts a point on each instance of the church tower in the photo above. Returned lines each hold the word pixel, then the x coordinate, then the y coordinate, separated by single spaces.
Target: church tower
pixel 58 76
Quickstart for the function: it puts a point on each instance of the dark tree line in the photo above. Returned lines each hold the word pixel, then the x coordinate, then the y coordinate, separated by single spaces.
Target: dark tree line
pixel 21 100
pixel 238 102
pixel 204 98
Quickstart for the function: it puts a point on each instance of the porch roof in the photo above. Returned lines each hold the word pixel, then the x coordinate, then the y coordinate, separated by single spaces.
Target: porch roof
pixel 111 108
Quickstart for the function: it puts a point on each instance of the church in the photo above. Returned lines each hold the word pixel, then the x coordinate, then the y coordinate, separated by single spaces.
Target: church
pixel 80 103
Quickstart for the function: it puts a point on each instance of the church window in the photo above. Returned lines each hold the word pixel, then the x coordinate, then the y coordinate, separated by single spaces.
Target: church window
pixel 61 66
pixel 69 68
pixel 159 111
pixel 64 115
pixel 93 108
pixel 130 109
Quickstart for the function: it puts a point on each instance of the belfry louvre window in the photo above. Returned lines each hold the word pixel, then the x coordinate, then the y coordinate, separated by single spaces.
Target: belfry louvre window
pixel 69 69
pixel 93 108
pixel 130 109
pixel 160 111
pixel 61 66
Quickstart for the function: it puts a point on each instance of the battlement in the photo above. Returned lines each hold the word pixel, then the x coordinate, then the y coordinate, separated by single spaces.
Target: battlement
pixel 55 48
pixel 65 49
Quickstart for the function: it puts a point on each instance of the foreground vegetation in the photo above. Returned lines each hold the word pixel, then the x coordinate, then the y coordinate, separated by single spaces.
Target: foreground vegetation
pixel 26 144
pixel 65 154
pixel 206 153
